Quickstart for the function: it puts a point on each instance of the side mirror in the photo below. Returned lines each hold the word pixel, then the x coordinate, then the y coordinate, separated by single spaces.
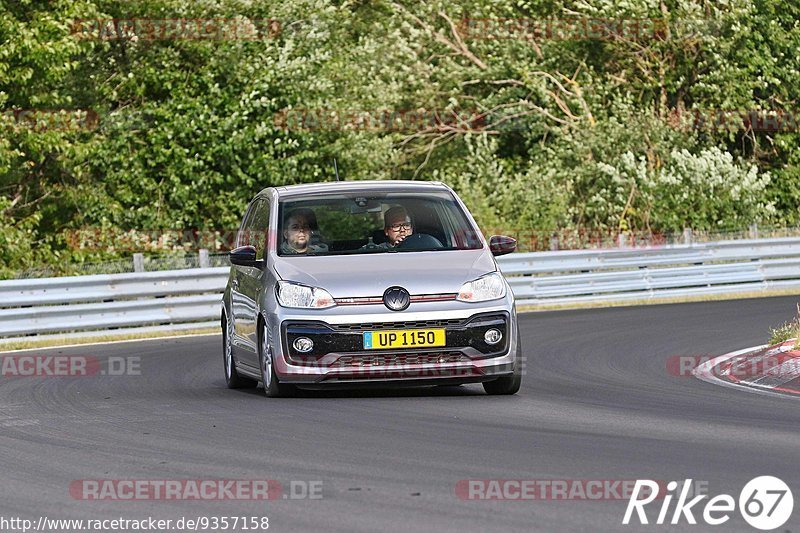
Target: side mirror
pixel 501 245
pixel 245 256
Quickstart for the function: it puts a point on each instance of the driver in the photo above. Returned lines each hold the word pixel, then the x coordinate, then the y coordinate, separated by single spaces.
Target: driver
pixel 396 226
pixel 300 225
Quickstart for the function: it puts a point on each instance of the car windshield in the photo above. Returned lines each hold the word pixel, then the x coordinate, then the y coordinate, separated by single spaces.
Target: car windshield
pixel 388 222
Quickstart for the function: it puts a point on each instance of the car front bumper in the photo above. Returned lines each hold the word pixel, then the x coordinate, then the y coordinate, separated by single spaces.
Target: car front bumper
pixel 339 356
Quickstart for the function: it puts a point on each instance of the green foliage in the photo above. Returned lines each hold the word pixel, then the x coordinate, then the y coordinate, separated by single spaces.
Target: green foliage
pixel 17 241
pixel 787 330
pixel 578 133
pixel 703 191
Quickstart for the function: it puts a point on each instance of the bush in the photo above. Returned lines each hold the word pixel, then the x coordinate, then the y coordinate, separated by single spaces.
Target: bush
pixel 787 330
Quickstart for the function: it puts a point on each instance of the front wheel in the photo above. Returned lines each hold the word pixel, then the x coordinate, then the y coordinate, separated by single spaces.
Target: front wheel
pixel 272 387
pixel 507 384
pixel 232 378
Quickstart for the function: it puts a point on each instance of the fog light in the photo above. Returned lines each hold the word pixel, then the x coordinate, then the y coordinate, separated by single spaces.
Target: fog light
pixel 492 336
pixel 303 344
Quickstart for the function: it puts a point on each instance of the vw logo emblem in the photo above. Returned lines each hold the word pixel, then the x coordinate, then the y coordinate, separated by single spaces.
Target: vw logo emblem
pixel 396 298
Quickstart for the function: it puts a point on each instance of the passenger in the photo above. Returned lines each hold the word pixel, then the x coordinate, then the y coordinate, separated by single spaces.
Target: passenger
pixel 300 227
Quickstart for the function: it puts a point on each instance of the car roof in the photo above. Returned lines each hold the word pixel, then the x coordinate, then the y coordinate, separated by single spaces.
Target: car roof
pixel 361 185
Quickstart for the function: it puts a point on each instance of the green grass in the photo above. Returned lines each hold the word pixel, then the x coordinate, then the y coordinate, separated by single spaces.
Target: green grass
pixel 787 330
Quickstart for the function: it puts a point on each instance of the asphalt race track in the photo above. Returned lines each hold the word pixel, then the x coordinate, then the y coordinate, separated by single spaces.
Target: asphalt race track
pixel 597 403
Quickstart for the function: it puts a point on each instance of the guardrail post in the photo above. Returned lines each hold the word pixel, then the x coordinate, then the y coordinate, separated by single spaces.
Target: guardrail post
pixel 753 231
pixel 622 240
pixel 204 261
pixel 554 242
pixel 687 235
pixel 138 263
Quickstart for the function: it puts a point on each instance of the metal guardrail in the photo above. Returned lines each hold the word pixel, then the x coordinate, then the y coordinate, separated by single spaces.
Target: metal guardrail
pixel 639 274
pixel 180 298
pixel 102 302
pixel 108 287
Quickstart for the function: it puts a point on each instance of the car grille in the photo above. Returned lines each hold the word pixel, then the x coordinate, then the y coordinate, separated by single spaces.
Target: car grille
pixel 400 359
pixel 371 326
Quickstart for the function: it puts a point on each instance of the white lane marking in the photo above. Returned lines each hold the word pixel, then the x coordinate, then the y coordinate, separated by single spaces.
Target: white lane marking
pixel 113 342
pixel 19 422
pixel 777 375
pixel 705 372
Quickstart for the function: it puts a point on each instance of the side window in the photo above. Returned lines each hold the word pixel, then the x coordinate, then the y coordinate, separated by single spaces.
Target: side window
pixel 259 229
pixel 243 238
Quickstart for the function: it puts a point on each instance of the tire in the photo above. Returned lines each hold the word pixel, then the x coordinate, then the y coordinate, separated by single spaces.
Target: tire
pixel 232 378
pixel 507 384
pixel 273 388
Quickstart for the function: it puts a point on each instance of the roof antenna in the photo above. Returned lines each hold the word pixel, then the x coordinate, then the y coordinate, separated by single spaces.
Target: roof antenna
pixel 336 169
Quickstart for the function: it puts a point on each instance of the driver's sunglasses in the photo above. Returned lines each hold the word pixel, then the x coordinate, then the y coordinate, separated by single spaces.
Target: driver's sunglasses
pixel 401 225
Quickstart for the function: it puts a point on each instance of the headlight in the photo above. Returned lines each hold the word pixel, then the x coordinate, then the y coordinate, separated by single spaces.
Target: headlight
pixel 488 287
pixel 302 296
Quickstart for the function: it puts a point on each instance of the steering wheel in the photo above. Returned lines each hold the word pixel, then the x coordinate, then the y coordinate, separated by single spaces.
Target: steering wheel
pixel 419 241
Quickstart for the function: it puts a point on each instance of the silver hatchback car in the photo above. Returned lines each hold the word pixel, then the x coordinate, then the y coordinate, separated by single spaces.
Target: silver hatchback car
pixel 386 283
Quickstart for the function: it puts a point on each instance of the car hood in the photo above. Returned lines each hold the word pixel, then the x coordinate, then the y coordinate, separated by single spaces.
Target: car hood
pixel 370 275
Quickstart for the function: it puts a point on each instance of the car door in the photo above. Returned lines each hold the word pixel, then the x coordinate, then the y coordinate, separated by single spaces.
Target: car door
pixel 239 301
pixel 250 282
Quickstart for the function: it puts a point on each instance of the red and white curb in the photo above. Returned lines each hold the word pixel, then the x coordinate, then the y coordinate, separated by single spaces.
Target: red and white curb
pixel 772 370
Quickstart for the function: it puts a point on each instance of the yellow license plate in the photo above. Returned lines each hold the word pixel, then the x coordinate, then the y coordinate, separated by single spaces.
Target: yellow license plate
pixel 403 338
